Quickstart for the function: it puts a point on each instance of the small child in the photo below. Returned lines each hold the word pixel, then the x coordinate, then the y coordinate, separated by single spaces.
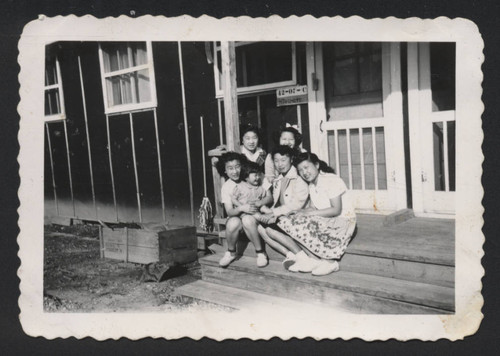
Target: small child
pixel 252 189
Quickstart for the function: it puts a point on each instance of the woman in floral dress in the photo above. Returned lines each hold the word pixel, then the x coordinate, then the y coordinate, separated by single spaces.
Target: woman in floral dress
pixel 324 229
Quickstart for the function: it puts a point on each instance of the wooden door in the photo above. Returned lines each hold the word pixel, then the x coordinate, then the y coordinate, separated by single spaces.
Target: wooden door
pixel 356 119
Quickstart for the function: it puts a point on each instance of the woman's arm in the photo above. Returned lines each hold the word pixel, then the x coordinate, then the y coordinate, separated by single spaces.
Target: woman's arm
pixel 237 210
pixel 269 168
pixel 268 199
pixel 299 191
pixel 335 209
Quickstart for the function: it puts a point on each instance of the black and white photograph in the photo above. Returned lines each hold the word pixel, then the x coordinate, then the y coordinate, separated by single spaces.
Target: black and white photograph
pixel 328 177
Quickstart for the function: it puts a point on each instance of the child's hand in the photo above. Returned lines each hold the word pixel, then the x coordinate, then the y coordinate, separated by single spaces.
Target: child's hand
pixel 249 208
pixel 266 219
pixel 266 210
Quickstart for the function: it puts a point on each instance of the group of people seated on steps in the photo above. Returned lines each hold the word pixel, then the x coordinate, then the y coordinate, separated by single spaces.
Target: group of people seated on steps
pixel 288 199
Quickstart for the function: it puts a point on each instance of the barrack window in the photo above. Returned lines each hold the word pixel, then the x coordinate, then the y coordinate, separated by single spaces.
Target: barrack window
pixel 127 76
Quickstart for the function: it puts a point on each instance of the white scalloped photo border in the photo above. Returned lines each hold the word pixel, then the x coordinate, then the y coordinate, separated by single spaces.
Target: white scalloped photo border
pixel 220 325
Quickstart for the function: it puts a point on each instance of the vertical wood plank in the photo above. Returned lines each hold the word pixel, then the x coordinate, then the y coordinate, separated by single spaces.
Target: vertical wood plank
pixel 69 167
pixel 228 55
pixel 84 104
pixel 111 166
pixel 52 167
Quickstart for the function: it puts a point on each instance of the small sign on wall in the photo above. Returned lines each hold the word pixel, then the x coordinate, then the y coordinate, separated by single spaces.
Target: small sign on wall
pixel 292 95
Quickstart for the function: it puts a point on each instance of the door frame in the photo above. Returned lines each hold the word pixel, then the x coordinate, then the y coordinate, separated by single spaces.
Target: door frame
pixel 426 201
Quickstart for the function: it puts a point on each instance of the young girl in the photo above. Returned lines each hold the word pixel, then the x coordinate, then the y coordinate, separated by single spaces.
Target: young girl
pixel 251 189
pixel 229 166
pixel 326 227
pixel 250 145
pixel 288 136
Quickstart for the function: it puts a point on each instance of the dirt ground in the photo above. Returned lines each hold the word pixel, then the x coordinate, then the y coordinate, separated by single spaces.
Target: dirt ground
pixel 76 279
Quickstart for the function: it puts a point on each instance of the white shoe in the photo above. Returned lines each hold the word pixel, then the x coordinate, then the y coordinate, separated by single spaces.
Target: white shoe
pixel 326 267
pixel 303 263
pixel 227 259
pixel 262 260
pixel 289 260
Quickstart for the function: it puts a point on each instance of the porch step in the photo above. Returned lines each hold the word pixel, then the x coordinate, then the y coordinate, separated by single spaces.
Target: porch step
pixel 370 263
pixel 353 292
pixel 241 299
pixel 382 242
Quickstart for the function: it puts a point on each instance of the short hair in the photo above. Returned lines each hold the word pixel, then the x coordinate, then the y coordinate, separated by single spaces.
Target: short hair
pixel 284 150
pixel 296 134
pixel 249 167
pixel 249 128
pixel 228 157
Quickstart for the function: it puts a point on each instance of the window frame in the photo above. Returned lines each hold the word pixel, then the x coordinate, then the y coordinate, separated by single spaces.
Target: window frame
pixel 219 92
pixel 62 114
pixel 149 65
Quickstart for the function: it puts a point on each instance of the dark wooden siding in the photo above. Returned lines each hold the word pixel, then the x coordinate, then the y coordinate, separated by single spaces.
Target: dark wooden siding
pixel 200 101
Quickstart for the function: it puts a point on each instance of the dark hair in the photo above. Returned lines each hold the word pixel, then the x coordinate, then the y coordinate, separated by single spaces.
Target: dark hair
pixel 311 157
pixel 284 150
pixel 249 167
pixel 296 134
pixel 248 128
pixel 228 157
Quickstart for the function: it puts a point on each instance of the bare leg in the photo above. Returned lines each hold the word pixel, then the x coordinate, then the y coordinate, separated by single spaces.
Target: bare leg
pixel 276 246
pixel 250 227
pixel 284 240
pixel 233 227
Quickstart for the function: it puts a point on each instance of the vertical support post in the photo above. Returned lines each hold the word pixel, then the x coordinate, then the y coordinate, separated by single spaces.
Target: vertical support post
pixel 159 166
pixel 111 166
pixel 228 56
pixel 219 112
pixel 69 167
pixel 84 102
pixel 259 116
pixel 52 168
pixel 137 189
pixel 186 134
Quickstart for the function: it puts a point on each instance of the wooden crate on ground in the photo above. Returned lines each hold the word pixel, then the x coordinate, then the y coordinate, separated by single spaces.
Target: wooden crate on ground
pixel 165 244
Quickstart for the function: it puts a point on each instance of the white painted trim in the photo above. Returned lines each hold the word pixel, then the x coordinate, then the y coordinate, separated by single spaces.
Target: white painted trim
pixel 317 110
pixel 59 87
pixel 395 130
pixel 219 92
pixel 414 127
pixel 421 117
pixel 355 123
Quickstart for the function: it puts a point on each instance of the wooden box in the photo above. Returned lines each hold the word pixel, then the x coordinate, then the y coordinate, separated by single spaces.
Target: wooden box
pixel 165 244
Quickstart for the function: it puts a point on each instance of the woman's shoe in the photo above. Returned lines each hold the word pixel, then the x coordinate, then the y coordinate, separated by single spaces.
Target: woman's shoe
pixel 289 260
pixel 262 260
pixel 303 263
pixel 227 259
pixel 325 267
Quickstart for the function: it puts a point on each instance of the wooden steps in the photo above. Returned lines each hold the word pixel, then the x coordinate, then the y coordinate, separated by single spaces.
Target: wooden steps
pixel 353 292
pixel 241 299
pixel 407 268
